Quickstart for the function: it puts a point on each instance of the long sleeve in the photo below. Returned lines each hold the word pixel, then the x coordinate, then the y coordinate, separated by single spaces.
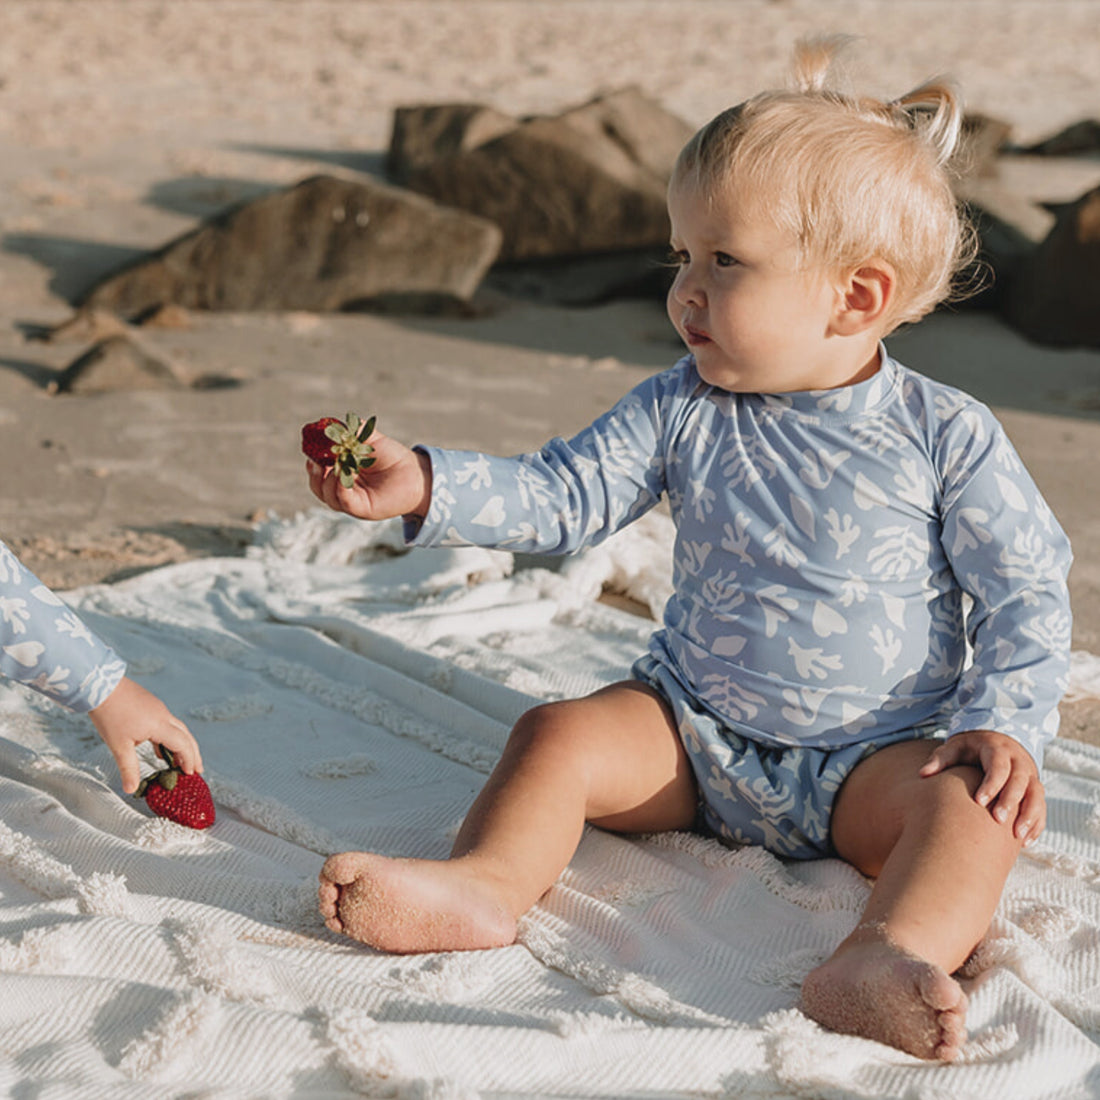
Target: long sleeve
pixel 1011 558
pixel 45 645
pixel 567 495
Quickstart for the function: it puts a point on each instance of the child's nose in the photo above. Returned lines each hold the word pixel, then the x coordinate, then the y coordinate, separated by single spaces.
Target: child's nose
pixel 686 288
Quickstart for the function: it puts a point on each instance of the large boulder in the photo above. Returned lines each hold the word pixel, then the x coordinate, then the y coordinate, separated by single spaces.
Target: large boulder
pixel 426 133
pixel 589 180
pixel 325 244
pixel 1055 296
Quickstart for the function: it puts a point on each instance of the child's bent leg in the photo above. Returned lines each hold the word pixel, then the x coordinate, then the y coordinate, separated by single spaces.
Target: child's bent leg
pixel 613 758
pixel 940 862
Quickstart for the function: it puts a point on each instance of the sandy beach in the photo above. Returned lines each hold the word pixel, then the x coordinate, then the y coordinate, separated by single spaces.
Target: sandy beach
pixel 124 123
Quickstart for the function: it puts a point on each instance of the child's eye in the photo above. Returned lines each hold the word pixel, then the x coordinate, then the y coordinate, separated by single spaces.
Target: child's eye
pixel 724 259
pixel 677 257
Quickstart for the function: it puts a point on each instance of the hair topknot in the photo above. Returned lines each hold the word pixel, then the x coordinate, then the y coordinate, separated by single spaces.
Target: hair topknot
pixel 850 176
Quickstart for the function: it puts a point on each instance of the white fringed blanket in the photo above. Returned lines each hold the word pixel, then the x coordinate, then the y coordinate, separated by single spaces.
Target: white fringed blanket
pixel 349 695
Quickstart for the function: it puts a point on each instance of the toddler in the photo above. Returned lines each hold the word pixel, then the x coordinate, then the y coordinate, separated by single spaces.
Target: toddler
pixel 45 645
pixel 869 631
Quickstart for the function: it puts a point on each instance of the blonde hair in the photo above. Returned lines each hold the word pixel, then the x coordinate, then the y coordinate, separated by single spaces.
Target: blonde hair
pixel 851 178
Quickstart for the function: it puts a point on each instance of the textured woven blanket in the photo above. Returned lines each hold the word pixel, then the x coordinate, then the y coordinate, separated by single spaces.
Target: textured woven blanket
pixel 350 695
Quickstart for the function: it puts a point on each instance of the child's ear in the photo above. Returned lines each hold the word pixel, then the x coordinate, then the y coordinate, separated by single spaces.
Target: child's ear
pixel 864 298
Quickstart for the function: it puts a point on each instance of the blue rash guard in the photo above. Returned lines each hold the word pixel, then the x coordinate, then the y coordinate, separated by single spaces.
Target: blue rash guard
pixel 849 564
pixel 45 645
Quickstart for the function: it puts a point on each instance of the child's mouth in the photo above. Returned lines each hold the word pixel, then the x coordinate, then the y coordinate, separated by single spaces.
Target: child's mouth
pixel 695 337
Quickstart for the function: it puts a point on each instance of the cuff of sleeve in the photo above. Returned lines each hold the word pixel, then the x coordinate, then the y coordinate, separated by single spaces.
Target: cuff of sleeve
pixel 419 530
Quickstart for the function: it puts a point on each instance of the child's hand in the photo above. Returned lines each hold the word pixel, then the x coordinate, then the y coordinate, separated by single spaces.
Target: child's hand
pixel 131 715
pixel 397 483
pixel 1011 787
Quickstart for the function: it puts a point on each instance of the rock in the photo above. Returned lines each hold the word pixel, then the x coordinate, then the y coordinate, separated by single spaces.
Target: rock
pixel 84 326
pixel 650 135
pixel 166 317
pixel 318 246
pixel 423 134
pixel 116 363
pixel 1079 138
pixel 1054 298
pixel 590 180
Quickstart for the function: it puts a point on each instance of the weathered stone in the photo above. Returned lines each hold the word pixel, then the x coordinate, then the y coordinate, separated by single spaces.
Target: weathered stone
pixel 1055 297
pixel 591 180
pixel 1080 138
pixel 319 245
pixel 84 326
pixel 116 363
pixel 168 316
pixel 426 133
pixel 650 135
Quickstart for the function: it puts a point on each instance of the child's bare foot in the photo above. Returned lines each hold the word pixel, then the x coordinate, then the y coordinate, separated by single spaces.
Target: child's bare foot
pixel 875 990
pixel 411 905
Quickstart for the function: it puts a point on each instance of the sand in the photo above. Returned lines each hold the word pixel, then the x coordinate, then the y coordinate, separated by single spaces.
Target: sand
pixel 123 122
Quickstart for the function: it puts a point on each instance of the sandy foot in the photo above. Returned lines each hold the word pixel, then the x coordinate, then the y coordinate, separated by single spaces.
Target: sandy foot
pixel 411 905
pixel 875 990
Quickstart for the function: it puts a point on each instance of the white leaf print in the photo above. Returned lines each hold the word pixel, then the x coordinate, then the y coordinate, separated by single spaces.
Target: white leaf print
pixel 827 621
pixel 1010 493
pixel 842 532
pixel 971 530
pixel 820 466
pixel 43 595
pixel 803 705
pixel 813 661
pixel 854 719
pixel 868 495
pixel 14 611
pixel 780 548
pixel 475 474
pixel 887 646
pixel 735 539
pixel 775 604
pixel 25 653
pixel 803 515
pixel 491 514
pixel 894 607
pixel 728 645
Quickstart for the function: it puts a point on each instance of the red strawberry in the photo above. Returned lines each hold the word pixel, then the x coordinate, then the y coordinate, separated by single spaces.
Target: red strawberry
pixel 179 797
pixel 332 442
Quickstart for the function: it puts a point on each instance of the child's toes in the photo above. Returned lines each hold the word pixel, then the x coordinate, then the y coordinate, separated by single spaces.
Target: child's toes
pixel 328 898
pixel 342 869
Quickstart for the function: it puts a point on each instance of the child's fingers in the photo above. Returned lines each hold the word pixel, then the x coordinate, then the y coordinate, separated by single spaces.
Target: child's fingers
pixel 1031 819
pixel 998 784
pixel 128 769
pixel 945 756
pixel 177 737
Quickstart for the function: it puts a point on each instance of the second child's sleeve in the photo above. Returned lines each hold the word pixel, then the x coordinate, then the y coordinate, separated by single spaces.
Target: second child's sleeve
pixel 569 494
pixel 44 645
pixel 1012 559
